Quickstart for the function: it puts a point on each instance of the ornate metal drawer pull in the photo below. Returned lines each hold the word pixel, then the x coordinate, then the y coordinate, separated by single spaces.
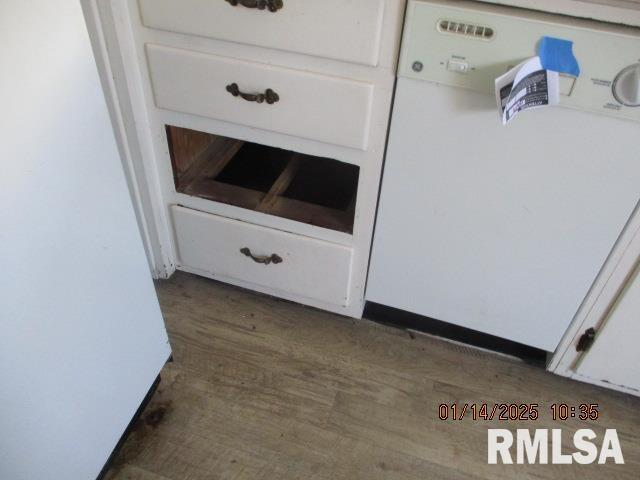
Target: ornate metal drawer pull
pixel 268 96
pixel 271 5
pixel 275 259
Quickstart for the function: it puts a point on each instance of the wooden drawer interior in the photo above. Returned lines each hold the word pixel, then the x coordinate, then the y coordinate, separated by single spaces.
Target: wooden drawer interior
pixel 314 190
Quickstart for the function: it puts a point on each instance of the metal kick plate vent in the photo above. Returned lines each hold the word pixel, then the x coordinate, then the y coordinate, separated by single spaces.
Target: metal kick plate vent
pixel 469 30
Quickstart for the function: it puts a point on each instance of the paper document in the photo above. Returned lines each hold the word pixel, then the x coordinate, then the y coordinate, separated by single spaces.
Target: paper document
pixel 526 86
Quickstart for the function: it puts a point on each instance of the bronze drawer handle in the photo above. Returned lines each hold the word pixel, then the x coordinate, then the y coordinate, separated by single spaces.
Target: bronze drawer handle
pixel 275 259
pixel 269 95
pixel 271 5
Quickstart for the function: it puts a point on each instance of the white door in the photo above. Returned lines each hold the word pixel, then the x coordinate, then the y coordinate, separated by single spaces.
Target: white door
pixel 614 357
pixel 81 334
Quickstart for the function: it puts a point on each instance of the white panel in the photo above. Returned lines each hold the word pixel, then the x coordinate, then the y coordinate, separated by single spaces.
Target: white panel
pixel 318 107
pixel 601 50
pixel 310 268
pixel 615 356
pixel 338 29
pixel 615 11
pixel 497 229
pixel 82 335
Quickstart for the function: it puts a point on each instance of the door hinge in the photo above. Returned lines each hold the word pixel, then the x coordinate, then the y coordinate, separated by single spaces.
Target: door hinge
pixel 586 340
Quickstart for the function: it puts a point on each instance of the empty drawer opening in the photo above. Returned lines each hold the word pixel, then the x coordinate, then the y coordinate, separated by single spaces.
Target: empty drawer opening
pixel 314 190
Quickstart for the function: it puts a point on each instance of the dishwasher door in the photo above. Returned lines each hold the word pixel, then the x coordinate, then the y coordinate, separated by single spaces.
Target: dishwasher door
pixel 498 229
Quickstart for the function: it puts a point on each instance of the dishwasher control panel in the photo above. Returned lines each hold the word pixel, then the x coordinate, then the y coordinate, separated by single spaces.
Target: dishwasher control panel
pixel 467 44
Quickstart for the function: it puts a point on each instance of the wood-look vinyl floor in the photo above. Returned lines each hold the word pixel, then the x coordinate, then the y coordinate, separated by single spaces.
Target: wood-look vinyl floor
pixel 265 389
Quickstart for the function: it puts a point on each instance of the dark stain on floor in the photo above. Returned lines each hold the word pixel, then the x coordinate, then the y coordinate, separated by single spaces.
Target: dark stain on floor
pixel 157 414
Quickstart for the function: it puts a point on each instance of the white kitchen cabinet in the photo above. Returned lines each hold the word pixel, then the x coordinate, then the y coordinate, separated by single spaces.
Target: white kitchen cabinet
pixel 255 128
pixel 600 346
pixel 614 357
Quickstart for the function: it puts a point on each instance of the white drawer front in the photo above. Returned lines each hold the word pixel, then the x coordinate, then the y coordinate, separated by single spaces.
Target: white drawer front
pixel 348 30
pixel 309 268
pixel 313 106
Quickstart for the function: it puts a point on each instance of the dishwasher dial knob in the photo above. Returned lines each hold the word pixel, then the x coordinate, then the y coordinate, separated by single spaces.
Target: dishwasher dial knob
pixel 626 86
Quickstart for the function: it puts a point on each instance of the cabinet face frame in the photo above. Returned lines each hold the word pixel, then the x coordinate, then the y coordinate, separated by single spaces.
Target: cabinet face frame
pixel 113 45
pixel 117 37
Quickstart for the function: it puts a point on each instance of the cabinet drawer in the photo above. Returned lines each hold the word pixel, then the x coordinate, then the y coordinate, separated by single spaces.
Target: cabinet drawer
pixel 313 106
pixel 309 268
pixel 336 29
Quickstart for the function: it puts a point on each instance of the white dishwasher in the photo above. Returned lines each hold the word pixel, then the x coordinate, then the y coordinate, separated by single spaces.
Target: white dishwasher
pixel 503 230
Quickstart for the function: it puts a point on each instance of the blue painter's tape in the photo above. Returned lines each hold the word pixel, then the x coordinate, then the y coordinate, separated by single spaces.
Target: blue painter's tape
pixel 557 55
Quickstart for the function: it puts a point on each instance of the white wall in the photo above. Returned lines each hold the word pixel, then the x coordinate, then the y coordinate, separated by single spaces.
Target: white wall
pixel 81 334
